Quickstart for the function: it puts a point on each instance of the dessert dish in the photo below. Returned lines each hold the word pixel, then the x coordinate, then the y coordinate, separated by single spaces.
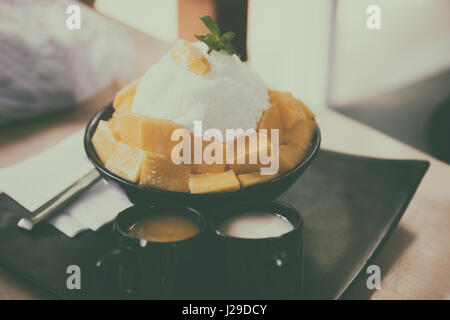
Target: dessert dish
pixel 202 121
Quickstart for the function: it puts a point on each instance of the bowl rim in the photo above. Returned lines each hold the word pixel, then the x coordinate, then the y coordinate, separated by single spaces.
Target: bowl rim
pixel 95 160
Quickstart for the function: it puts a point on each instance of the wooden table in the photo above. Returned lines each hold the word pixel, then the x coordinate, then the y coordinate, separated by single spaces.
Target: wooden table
pixel 415 262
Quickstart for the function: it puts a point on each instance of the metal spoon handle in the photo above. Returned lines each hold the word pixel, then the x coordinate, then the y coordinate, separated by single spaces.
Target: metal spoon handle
pixel 59 201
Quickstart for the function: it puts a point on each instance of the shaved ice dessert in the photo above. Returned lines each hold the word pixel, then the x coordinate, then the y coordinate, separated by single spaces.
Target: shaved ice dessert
pixel 203 82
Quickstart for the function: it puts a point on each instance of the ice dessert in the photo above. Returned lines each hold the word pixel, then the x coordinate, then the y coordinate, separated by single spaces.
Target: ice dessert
pixel 189 84
pixel 152 137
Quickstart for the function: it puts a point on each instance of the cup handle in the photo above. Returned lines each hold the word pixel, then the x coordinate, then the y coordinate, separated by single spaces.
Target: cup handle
pixel 123 283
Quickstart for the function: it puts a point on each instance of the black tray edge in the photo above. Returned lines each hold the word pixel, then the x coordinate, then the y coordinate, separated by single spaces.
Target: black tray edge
pixel 384 238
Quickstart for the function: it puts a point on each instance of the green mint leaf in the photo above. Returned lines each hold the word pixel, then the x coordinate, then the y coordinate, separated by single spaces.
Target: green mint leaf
pixel 210 40
pixel 201 38
pixel 211 25
pixel 227 37
pixel 215 41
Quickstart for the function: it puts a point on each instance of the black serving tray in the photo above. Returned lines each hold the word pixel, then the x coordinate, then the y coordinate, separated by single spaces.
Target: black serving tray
pixel 350 205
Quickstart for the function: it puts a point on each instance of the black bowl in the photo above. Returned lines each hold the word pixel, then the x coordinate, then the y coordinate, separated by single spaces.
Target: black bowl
pixel 139 194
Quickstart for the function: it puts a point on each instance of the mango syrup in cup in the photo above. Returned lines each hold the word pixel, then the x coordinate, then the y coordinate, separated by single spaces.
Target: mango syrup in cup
pixel 160 254
pixel 164 227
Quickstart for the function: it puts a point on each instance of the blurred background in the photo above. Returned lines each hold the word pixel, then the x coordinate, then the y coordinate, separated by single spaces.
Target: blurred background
pixel 395 79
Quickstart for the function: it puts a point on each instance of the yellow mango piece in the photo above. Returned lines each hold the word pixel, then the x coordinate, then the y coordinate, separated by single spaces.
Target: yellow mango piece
pixel 251 152
pixel 189 56
pixel 126 162
pixel 213 182
pixel 300 134
pixel 155 135
pixel 208 147
pixel 126 92
pixel 111 125
pixel 250 179
pixel 270 118
pixel 124 107
pixel 244 168
pixel 104 141
pixel 289 156
pixel 147 133
pixel 159 171
pixel 291 111
pixel 307 111
pixel 208 168
pixel 127 127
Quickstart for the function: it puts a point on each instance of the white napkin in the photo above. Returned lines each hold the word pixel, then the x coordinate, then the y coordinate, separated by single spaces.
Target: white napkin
pixel 38 179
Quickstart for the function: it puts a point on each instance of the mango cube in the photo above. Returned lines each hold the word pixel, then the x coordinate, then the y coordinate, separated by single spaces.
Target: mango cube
pixel 209 148
pixel 189 56
pixel 250 179
pixel 155 135
pixel 124 107
pixel 126 162
pixel 289 156
pixel 127 126
pixel 213 182
pixel 160 172
pixel 296 142
pixel 208 168
pixel 104 141
pixel 271 118
pixel 241 164
pixel 126 92
pixel 307 111
pixel 300 135
pixel 290 109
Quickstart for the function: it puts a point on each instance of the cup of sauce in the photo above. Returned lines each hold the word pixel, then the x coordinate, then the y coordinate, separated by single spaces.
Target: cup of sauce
pixel 159 254
pixel 261 250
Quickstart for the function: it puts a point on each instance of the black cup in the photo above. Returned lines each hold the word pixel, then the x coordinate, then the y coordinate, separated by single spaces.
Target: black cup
pixel 149 269
pixel 263 268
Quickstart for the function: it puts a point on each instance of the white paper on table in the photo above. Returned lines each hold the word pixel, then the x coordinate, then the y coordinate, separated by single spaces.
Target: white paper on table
pixel 36 180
